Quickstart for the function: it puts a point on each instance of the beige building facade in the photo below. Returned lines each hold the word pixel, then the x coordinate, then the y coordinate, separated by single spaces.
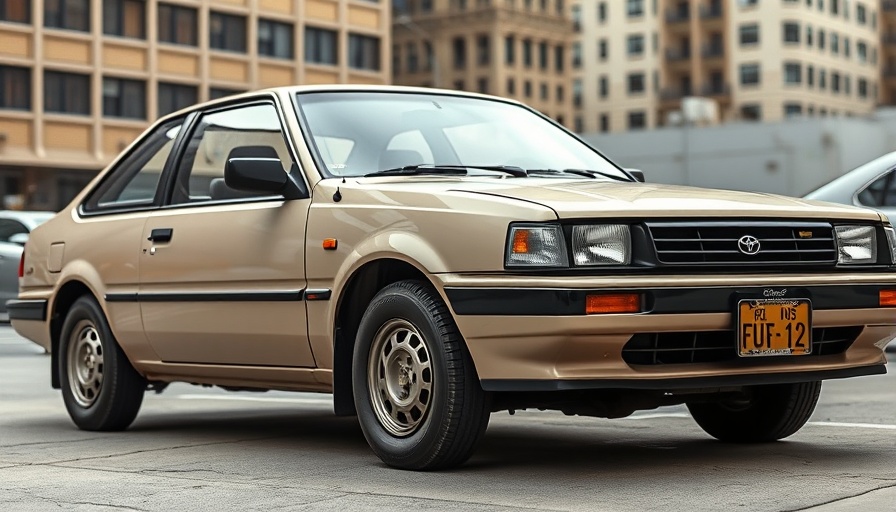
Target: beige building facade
pixel 80 79
pixel 514 48
pixel 756 60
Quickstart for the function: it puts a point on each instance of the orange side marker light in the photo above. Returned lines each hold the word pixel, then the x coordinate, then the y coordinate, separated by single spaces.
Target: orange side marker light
pixel 888 298
pixel 613 303
pixel 520 241
pixel 330 244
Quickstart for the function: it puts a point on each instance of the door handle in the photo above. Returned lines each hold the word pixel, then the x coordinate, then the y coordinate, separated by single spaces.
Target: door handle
pixel 161 235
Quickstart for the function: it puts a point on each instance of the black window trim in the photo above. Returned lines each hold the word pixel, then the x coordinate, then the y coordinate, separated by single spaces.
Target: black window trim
pixel 188 121
pixel 890 173
pixel 168 180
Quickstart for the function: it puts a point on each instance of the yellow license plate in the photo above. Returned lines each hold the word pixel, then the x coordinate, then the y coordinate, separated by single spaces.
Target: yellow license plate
pixel 774 327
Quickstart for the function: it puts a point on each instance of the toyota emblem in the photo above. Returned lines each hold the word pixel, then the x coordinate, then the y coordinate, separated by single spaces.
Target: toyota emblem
pixel 748 244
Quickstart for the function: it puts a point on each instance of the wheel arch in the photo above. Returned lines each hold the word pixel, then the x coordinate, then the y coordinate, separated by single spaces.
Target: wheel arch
pixel 63 299
pixel 363 284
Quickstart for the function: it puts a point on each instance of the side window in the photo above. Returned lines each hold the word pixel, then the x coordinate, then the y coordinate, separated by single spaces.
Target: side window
pixel 251 131
pixel 135 181
pixel 881 192
pixel 9 227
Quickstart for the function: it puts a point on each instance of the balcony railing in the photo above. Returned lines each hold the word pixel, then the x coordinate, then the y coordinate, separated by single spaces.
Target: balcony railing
pixel 674 93
pixel 677 54
pixel 888 5
pixel 678 16
pixel 713 50
pixel 889 38
pixel 712 89
pixel 889 72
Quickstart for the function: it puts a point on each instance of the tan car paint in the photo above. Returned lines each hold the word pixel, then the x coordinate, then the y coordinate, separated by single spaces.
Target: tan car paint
pixel 453 230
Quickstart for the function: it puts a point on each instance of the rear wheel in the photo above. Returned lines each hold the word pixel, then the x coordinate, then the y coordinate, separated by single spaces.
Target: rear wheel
pixel 415 388
pixel 765 413
pixel 100 388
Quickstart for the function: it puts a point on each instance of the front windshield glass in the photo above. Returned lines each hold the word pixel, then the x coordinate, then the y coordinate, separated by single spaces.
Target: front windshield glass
pixel 358 133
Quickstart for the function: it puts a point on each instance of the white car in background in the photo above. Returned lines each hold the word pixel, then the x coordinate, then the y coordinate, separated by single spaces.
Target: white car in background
pixel 15 227
pixel 872 185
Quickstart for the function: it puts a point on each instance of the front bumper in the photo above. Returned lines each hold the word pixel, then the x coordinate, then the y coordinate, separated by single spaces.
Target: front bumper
pixel 531 333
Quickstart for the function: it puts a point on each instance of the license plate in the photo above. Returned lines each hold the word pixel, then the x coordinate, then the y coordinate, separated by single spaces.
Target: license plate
pixel 774 327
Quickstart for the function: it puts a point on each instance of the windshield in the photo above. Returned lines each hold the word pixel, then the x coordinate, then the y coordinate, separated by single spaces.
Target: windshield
pixel 359 133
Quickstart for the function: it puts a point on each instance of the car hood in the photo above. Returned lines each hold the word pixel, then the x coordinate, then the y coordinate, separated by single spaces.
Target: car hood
pixel 579 198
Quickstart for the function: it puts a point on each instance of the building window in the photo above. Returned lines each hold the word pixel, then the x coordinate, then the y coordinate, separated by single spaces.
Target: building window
pixel 320 45
pixel 636 83
pixel 577 93
pixel 509 50
pixel 634 8
pixel 15 88
pixel 835 7
pixel 791 32
pixel 602 12
pixel 846 49
pixel 821 39
pixel 459 85
pixel 749 34
pixel 460 52
pixel 66 93
pixel 412 57
pixel 67 14
pixel 483 50
pixel 560 93
pixel 835 82
pixel 17 11
pixel 124 98
pixel 810 76
pixel 527 53
pixel 835 43
pixel 808 36
pixel 637 120
pixel 602 50
pixel 751 112
pixel 578 124
pixel 847 85
pixel 174 97
pixel 427 56
pixel 363 52
pixel 822 79
pixel 862 51
pixel 543 89
pixel 749 74
pixel 861 14
pixel 511 87
pixel 275 39
pixel 635 45
pixel 603 87
pixel 177 25
pixel 748 3
pixel 227 32
pixel 576 16
pixel 559 58
pixel 527 89
pixel 215 93
pixel 604 121
pixel 482 85
pixel 862 88
pixel 577 54
pixel 793 73
pixel 125 18
pixel 543 55
pixel 793 110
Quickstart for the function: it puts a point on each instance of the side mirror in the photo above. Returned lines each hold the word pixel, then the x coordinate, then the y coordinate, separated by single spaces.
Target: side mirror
pixel 638 174
pixel 19 238
pixel 253 174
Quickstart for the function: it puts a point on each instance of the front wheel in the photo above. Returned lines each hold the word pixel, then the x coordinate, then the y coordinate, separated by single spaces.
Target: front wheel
pixel 100 388
pixel 763 414
pixel 416 391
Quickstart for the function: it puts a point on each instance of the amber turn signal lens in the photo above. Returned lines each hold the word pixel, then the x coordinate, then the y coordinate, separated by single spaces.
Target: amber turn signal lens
pixel 887 298
pixel 330 244
pixel 613 303
pixel 521 241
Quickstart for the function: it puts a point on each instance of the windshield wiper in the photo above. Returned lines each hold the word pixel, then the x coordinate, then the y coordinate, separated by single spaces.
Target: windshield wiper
pixel 580 172
pixel 450 169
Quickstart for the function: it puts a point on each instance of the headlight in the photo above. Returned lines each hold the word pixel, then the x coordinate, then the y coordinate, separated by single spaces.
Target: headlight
pixel 891 237
pixel 536 246
pixel 603 244
pixel 856 245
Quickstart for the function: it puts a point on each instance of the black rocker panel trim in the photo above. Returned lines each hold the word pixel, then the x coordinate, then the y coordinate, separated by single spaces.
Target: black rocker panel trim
pixel 27 309
pixel 253 296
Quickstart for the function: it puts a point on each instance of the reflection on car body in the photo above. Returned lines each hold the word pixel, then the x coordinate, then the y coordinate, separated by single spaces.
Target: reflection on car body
pixel 499 264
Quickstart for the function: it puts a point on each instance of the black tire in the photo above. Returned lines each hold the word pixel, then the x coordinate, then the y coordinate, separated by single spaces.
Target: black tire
pixel 412 319
pixel 107 393
pixel 767 413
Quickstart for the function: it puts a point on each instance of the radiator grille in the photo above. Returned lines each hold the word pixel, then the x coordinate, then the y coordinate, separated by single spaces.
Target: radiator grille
pixel 717 346
pixel 717 243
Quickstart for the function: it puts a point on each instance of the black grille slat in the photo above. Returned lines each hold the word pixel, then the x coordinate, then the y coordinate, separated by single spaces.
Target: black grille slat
pixel 717 243
pixel 719 346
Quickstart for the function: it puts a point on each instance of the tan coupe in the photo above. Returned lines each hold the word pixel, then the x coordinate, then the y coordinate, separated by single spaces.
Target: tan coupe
pixel 430 257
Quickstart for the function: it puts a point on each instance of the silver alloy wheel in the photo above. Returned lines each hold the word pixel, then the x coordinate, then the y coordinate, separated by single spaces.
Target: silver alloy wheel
pixel 399 377
pixel 85 363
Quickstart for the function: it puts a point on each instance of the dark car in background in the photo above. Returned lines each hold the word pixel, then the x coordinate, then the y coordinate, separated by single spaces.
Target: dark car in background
pixel 15 227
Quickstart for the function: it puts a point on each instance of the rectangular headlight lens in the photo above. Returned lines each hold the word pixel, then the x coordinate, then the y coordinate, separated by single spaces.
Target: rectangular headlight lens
pixel 891 238
pixel 536 246
pixel 602 244
pixel 856 245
